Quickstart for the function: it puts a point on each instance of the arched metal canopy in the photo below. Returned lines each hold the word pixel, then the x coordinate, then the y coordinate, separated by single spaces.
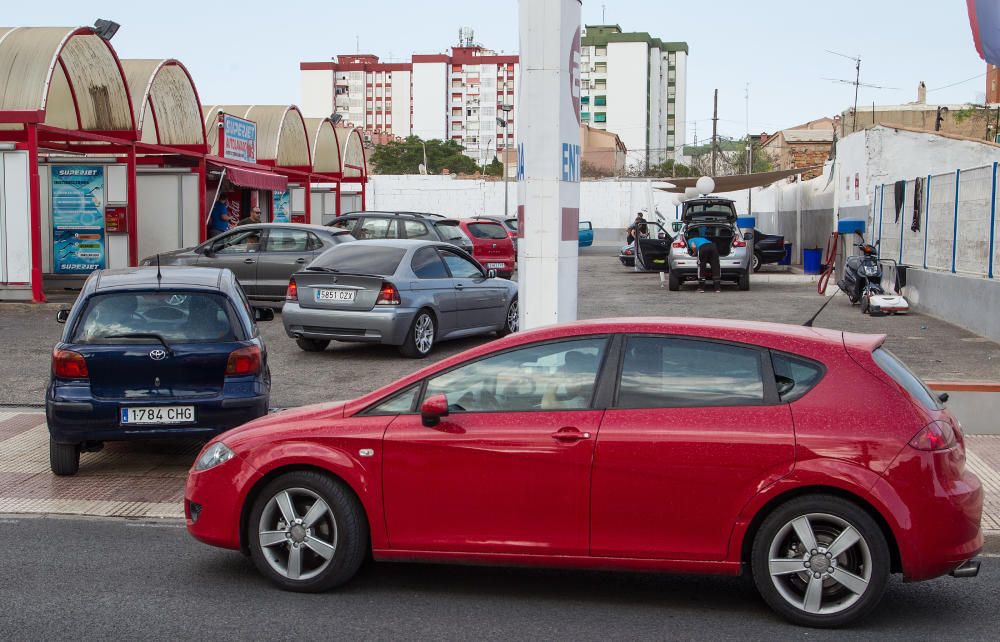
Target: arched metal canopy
pixel 165 100
pixel 325 146
pixel 282 138
pixel 354 162
pixel 64 77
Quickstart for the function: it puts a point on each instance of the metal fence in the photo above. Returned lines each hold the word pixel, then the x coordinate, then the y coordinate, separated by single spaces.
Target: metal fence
pixel 945 222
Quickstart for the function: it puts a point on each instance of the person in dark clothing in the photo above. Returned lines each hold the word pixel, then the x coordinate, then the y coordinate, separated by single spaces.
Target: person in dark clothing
pixel 638 228
pixel 708 258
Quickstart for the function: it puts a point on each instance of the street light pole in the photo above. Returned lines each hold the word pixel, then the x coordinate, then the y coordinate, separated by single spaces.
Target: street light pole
pixel 506 109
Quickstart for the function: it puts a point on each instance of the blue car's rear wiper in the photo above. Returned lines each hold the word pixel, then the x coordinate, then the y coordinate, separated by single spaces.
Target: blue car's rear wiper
pixel 141 335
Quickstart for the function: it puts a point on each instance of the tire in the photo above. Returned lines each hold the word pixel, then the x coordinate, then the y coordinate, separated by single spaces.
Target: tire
pixel 756 263
pixel 744 281
pixel 340 531
pixel 313 345
pixel 64 459
pixel 418 344
pixel 511 321
pixel 673 282
pixel 779 547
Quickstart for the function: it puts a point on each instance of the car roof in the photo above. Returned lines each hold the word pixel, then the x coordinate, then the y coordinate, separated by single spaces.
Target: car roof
pixel 709 200
pixel 405 244
pixel 294 226
pixel 395 213
pixel 171 277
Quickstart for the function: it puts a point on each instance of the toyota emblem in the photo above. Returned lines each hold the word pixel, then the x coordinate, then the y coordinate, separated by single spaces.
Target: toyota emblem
pixel 158 354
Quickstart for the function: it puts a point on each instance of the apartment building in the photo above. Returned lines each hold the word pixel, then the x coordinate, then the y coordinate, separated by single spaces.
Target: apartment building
pixel 635 85
pixel 458 96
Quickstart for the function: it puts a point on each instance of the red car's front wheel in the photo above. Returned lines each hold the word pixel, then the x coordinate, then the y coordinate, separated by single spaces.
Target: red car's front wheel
pixel 307 532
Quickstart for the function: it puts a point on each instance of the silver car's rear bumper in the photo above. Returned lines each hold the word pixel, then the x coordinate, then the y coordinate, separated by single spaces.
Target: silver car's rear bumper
pixel 387 325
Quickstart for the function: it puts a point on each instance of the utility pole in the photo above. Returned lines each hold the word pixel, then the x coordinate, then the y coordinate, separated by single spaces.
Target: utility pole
pixel 857 85
pixel 715 132
pixel 749 155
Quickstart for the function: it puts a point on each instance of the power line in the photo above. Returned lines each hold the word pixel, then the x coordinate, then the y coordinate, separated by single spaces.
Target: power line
pixel 960 82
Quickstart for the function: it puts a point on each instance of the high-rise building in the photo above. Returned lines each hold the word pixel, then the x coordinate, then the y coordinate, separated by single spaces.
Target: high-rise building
pixel 457 96
pixel 635 85
pixel 632 85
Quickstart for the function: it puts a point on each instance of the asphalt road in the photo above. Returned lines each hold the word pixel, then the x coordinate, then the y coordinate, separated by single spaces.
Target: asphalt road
pixel 90 579
pixel 934 349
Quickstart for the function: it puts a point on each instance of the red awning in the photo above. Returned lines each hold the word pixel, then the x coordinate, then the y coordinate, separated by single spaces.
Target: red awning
pixel 253 179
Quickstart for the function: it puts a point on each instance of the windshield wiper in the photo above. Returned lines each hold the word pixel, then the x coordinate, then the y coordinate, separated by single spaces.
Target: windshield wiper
pixel 141 335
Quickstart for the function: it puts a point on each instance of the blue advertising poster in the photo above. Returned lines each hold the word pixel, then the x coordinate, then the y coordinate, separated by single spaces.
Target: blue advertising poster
pixel 280 210
pixel 239 139
pixel 78 219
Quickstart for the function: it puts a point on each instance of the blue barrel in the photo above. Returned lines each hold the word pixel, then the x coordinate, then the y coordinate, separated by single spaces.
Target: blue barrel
pixel 788 255
pixel 812 258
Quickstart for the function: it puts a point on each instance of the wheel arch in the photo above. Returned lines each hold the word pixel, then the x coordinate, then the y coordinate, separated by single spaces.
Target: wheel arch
pixel 254 493
pixel 746 546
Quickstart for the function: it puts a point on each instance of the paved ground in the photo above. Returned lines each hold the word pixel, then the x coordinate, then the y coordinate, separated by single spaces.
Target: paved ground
pixel 936 350
pixel 72 579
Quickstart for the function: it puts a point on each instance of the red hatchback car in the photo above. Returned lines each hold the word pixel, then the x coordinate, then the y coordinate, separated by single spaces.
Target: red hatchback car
pixel 491 245
pixel 812 459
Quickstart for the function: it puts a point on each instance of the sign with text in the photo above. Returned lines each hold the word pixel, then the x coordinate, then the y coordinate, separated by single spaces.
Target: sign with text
pixel 77 219
pixel 279 207
pixel 239 139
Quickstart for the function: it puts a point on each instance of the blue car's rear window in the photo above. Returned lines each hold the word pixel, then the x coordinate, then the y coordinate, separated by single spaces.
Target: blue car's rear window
pixel 177 317
pixel 360 258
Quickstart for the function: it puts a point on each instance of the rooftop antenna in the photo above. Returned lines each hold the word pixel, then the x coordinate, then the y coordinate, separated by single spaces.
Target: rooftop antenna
pixel 857 84
pixel 159 275
pixel 603 7
pixel 809 323
pixel 357 44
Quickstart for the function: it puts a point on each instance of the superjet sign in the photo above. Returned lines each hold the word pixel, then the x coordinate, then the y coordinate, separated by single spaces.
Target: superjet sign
pixel 239 139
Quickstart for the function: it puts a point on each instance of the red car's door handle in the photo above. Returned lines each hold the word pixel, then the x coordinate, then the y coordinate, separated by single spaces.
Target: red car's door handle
pixel 570 434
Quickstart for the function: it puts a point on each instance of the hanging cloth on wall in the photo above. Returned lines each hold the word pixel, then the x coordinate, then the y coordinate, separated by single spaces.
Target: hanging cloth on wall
pixel 900 195
pixel 918 199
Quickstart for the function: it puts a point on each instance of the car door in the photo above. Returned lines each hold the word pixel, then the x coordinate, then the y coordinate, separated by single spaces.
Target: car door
pixel 417 230
pixel 286 251
pixel 237 250
pixel 694 432
pixel 376 227
pixel 433 283
pixel 508 470
pixel 479 301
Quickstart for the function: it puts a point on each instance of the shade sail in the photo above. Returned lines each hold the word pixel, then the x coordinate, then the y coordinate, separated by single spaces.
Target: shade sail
pixel 734 183
pixel 251 178
pixel 984 16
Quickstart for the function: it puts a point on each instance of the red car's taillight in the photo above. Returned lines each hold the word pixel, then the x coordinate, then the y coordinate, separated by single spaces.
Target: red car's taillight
pixel 388 295
pixel 245 361
pixel 67 364
pixel 292 293
pixel 937 435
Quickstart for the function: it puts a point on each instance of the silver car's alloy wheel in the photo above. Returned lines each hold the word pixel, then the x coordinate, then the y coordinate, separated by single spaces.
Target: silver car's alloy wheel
pixel 423 333
pixel 513 318
pixel 297 534
pixel 820 564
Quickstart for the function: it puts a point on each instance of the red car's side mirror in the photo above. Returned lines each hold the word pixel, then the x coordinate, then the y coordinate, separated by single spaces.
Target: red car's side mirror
pixel 433 409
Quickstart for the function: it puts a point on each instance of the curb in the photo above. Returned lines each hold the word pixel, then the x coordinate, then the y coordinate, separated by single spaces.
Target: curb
pixel 991 543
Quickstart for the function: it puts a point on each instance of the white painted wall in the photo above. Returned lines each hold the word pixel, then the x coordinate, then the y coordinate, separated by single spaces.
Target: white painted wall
pixel 431 100
pixel 628 71
pixel 317 92
pixel 401 103
pixel 167 205
pixel 15 219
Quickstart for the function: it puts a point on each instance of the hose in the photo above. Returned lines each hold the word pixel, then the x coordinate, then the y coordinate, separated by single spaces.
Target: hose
pixel 831 257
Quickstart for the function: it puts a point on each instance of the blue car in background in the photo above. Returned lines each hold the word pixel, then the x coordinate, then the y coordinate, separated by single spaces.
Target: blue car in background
pixel 150 352
pixel 586 234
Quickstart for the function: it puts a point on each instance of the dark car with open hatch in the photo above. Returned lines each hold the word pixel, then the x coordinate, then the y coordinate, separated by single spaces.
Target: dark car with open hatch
pixel 147 353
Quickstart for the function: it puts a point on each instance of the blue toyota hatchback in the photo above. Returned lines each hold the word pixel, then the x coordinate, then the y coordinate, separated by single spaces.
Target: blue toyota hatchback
pixel 150 352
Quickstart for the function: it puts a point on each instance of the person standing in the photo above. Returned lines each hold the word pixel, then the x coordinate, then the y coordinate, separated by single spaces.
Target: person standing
pixel 252 219
pixel 636 229
pixel 220 219
pixel 708 258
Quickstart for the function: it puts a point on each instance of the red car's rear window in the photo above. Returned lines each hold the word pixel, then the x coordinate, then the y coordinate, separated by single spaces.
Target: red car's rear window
pixel 487 231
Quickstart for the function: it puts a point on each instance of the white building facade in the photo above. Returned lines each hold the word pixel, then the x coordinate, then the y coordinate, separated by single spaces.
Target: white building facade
pixel 457 96
pixel 635 85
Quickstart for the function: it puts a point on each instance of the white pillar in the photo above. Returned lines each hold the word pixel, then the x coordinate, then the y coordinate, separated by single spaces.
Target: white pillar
pixel 548 134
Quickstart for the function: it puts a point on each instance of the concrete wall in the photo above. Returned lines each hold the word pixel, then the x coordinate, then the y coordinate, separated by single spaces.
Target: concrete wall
pixel 401 103
pixel 970 302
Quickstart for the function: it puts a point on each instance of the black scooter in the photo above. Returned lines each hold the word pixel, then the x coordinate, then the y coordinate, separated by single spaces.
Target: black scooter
pixel 862 281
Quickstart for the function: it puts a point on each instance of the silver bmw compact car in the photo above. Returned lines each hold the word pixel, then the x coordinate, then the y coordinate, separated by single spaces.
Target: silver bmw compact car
pixel 410 294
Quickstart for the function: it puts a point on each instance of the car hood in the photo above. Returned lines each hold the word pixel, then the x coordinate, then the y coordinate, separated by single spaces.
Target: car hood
pixel 277 425
pixel 167 258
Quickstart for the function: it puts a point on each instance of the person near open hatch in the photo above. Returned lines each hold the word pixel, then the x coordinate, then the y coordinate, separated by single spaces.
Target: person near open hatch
pixel 638 228
pixel 252 219
pixel 220 220
pixel 708 258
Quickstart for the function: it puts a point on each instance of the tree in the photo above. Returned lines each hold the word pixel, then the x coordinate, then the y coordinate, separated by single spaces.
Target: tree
pixel 761 159
pixel 590 170
pixel 666 169
pixel 406 156
pixel 495 168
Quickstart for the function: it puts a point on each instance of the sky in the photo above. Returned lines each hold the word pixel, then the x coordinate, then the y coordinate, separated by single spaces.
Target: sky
pixel 249 52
